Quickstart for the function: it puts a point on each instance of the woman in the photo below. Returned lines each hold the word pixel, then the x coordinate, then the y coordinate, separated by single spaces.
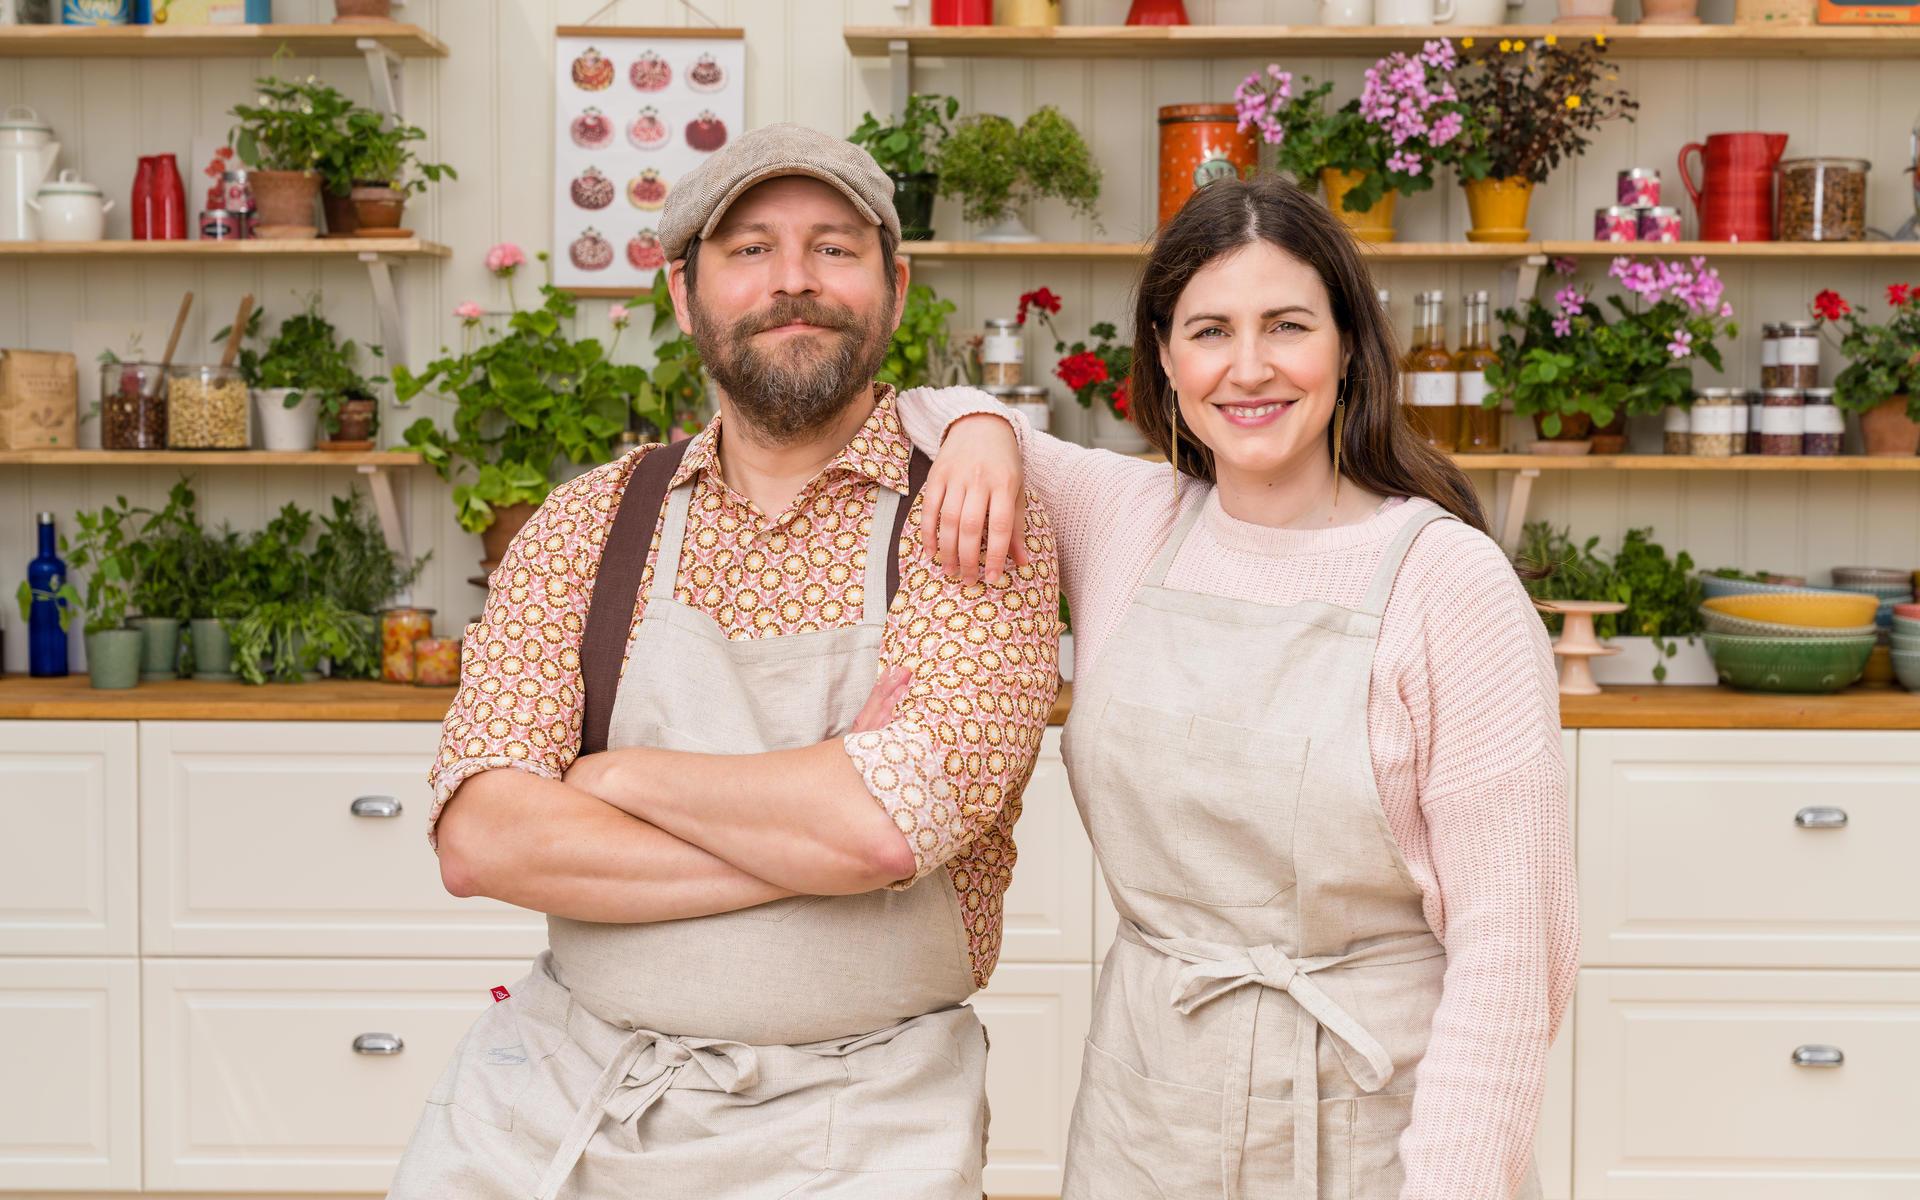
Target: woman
pixel 1315 741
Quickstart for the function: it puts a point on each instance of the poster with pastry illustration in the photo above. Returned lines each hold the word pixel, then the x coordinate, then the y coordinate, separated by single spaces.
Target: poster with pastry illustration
pixel 634 111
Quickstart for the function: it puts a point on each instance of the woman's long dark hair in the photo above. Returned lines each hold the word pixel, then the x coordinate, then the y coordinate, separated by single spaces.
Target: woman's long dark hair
pixel 1379 450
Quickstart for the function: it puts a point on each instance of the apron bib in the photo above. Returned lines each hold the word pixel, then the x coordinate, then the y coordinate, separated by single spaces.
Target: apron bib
pixel 813 1047
pixel 1262 1014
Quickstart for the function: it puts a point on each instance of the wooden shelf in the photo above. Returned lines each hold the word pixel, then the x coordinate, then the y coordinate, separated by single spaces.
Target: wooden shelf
pixel 1826 251
pixel 252 248
pixel 209 458
pixel 1681 462
pixel 216 41
pixel 1864 706
pixel 73 699
pixel 1246 41
pixel 1430 252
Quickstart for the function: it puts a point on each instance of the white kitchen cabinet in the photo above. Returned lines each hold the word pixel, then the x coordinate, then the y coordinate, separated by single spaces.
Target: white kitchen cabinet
pixel 1037 1017
pixel 1708 1085
pixel 303 838
pixel 259 1075
pixel 1049 906
pixel 69 1074
pixel 69 829
pixel 1749 849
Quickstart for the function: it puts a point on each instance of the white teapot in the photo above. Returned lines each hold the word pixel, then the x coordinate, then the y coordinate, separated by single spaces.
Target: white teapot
pixel 27 155
pixel 71 210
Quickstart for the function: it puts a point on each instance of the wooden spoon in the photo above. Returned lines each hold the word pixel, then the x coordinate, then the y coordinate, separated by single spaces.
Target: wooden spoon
pixel 179 323
pixel 239 330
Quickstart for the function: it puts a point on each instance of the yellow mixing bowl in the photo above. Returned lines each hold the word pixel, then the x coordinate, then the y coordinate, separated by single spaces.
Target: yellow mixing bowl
pixel 1819 610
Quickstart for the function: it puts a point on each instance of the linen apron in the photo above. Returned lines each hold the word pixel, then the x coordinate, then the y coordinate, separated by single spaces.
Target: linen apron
pixel 1262 1014
pixel 813 1047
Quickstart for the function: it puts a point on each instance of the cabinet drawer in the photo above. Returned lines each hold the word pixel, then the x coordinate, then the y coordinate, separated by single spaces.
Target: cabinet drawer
pixel 253 1082
pixel 1037 1017
pixel 69 825
pixel 1048 909
pixel 268 838
pixel 1725 848
pixel 70 1104
pixel 1687 1086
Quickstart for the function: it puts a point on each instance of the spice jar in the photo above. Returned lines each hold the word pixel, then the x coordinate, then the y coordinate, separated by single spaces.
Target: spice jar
pixel 1755 400
pixel 1637 187
pixel 1711 423
pixel 1002 357
pixel 133 407
pixel 219 225
pixel 436 662
pixel 1659 224
pixel 207 409
pixel 1742 423
pixel 1783 421
pixel 1823 199
pixel 1825 427
pixel 1770 356
pixel 1031 400
pixel 1616 223
pixel 400 628
pixel 1678 429
pixel 1799 343
pixel 1200 143
pixel 237 189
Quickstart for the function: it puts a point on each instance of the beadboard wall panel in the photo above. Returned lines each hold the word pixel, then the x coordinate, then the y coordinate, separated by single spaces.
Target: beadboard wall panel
pixel 487 109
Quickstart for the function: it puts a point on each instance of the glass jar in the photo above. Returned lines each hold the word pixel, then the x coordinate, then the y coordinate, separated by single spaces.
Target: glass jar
pixel 1002 356
pixel 1660 225
pixel 1710 432
pixel 207 409
pixel 1616 223
pixel 400 628
pixel 1033 400
pixel 1637 187
pixel 1678 429
pixel 133 406
pixel 1799 343
pixel 1742 423
pixel 1825 427
pixel 1770 356
pixel 1480 425
pixel 1823 199
pixel 1783 421
pixel 436 662
pixel 1755 399
pixel 1430 381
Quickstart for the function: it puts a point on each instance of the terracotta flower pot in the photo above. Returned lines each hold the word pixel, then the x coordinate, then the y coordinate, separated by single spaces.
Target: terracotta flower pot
pixel 1573 437
pixel 346 11
pixel 495 538
pixel 1610 438
pixel 1374 224
pixel 1498 209
pixel 377 207
pixel 341 221
pixel 1888 431
pixel 1669 12
pixel 283 203
pixel 356 427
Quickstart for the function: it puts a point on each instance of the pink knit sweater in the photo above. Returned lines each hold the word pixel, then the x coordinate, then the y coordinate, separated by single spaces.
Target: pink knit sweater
pixel 1463 720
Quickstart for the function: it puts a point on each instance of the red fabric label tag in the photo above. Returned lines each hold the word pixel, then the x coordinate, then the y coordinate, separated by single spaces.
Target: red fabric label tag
pixel 500 994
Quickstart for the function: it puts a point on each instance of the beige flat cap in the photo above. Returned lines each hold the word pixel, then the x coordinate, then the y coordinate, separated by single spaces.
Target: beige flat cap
pixel 703 195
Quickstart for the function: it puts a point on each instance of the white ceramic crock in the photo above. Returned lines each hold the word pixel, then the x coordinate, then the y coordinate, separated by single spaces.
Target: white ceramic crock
pixel 71 210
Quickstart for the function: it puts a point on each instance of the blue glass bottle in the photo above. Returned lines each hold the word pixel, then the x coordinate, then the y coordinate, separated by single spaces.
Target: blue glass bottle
pixel 46 640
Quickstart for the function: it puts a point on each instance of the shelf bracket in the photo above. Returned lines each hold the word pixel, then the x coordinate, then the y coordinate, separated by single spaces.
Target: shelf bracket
pixel 1519 492
pixel 386 304
pixel 900 63
pixel 386 506
pixel 384 71
pixel 1521 279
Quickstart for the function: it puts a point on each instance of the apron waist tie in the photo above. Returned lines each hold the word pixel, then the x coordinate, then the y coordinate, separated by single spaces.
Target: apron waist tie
pixel 626 1095
pixel 1215 970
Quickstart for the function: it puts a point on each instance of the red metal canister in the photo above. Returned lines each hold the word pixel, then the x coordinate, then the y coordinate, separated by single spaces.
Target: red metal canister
pixel 1200 143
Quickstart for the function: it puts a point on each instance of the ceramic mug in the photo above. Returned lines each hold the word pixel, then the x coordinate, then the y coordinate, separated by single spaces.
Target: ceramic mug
pixel 1480 13
pixel 1412 12
pixel 1346 12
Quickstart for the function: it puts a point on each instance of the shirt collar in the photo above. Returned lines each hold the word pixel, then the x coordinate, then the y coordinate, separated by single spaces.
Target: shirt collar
pixel 878 451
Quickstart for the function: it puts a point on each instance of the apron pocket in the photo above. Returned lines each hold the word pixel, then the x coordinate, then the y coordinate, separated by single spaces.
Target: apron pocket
pixel 915 1104
pixel 1193 807
pixel 491 1069
pixel 1359 1147
pixel 1135 1136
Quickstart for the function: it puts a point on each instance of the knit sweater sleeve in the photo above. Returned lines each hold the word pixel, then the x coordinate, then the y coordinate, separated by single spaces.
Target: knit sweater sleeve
pixel 1493 795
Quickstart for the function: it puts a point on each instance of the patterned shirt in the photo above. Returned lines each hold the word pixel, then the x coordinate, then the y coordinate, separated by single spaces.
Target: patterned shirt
pixel 951 764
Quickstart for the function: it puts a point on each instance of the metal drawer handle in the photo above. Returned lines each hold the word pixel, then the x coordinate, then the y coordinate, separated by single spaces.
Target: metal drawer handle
pixel 378 1043
pixel 387 806
pixel 1821 817
pixel 1818 1056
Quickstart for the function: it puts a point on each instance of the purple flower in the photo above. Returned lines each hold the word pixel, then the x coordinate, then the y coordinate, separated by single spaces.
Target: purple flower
pixel 1726 310
pixel 1682 344
pixel 1562 326
pixel 1570 300
pixel 1565 266
pixel 1408 164
pixel 1446 129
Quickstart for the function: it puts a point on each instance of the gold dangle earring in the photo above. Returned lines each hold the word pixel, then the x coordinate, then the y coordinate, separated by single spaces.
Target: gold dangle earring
pixel 1339 425
pixel 1175 457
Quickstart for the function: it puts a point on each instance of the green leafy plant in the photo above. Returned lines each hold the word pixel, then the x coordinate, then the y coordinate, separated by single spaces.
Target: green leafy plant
pixel 369 151
pixel 105 550
pixel 1096 371
pixel 1662 595
pixel 524 397
pixel 297 125
pixel 676 388
pixel 920 340
pixel 352 562
pixel 1883 358
pixel 162 556
pixel 911 144
pixel 1532 104
pixel 214 577
pixel 992 165
pixel 292 617
pixel 306 356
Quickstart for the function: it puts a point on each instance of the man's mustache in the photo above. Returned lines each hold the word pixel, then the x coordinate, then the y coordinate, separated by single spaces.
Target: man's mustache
pixel 788 312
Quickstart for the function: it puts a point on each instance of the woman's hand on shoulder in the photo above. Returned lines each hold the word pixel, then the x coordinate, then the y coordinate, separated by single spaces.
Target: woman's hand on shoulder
pixel 974 499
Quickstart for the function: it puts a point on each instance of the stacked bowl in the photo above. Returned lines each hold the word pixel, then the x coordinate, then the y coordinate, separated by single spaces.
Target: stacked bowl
pixel 1906 645
pixel 1889 585
pixel 1783 639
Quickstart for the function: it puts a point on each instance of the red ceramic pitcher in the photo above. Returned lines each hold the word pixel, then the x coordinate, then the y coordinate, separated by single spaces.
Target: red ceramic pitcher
pixel 963 12
pixel 1734 202
pixel 159 200
pixel 1157 12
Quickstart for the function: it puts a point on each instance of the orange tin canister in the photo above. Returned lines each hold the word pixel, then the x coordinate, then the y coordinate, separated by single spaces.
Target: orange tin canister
pixel 1200 143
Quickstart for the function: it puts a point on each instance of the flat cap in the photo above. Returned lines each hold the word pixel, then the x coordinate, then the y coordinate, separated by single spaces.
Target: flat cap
pixel 703 195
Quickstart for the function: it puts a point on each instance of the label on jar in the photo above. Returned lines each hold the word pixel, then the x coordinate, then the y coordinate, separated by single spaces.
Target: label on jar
pixel 1823 418
pixel 1715 418
pixel 1740 412
pixel 1778 419
pixel 1001 348
pixel 1676 419
pixel 1770 352
pixel 1799 351
pixel 1474 389
pixel 1433 389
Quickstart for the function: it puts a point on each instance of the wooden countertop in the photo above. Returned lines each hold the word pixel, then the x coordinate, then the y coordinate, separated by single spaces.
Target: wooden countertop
pixel 71 699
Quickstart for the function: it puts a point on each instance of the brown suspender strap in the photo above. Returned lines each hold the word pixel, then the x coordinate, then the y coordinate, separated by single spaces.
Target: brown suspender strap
pixel 616 589
pixel 917 468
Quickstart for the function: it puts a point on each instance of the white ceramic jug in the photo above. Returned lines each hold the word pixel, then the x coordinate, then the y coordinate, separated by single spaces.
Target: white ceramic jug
pixel 1480 13
pixel 71 210
pixel 1346 12
pixel 1412 12
pixel 27 155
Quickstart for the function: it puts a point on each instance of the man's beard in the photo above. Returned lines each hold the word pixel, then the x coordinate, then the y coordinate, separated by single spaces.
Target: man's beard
pixel 801 388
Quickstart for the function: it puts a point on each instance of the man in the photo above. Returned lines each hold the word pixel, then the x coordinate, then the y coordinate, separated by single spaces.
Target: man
pixel 761 925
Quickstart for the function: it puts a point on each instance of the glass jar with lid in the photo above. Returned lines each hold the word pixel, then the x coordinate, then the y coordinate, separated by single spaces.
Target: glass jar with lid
pixel 1002 355
pixel 1033 401
pixel 1823 199
pixel 1770 355
pixel 1783 421
pixel 208 409
pixel 1825 427
pixel 1710 433
pixel 1799 343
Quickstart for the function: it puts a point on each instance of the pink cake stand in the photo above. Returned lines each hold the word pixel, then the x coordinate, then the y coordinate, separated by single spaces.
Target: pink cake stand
pixel 1577 644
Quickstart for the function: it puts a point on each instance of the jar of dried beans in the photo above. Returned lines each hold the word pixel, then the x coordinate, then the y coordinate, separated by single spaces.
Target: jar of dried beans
pixel 1711 422
pixel 1823 199
pixel 1678 429
pixel 133 406
pixel 208 409
pixel 1770 356
pixel 1799 343
pixel 1755 399
pixel 1783 421
pixel 1825 427
pixel 1002 357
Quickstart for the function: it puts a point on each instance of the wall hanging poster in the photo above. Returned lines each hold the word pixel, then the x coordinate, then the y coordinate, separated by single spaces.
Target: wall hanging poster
pixel 634 110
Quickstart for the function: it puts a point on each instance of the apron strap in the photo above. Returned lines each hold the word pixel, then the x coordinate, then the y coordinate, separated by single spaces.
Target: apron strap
pixel 673 536
pixel 616 589
pixel 1396 553
pixel 1177 537
pixel 917 468
pixel 883 558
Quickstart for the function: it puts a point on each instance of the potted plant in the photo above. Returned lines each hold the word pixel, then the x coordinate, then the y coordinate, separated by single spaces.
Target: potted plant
pixel 525 397
pixel 285 139
pixel 1881 381
pixel 305 368
pixel 370 173
pixel 293 622
pixel 220 596
pixel 1578 373
pixel 347 12
pixel 994 166
pixel 353 563
pixel 919 342
pixel 162 591
pixel 1657 635
pixel 1096 373
pixel 1530 104
pixel 909 151
pixel 105 550
pixel 674 394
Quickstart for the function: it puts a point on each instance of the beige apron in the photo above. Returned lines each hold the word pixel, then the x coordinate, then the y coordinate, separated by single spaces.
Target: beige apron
pixel 813 1047
pixel 1261 1016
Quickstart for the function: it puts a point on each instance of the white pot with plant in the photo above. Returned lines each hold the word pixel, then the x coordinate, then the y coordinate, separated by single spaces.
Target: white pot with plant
pixel 304 371
pixel 994 167
pixel 1655 640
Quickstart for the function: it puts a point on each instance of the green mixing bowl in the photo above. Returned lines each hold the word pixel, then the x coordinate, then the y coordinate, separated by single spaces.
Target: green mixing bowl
pixel 1906 668
pixel 1806 665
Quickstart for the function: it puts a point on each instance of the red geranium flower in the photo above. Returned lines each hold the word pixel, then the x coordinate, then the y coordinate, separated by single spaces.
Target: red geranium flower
pixel 1828 304
pixel 1120 399
pixel 1081 370
pixel 1897 293
pixel 1042 299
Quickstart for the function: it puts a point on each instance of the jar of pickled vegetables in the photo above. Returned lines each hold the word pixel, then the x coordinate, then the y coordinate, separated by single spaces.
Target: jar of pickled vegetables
pixel 400 628
pixel 436 662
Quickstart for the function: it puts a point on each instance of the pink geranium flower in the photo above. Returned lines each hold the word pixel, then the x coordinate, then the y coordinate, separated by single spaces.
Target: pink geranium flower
pixel 470 312
pixel 502 259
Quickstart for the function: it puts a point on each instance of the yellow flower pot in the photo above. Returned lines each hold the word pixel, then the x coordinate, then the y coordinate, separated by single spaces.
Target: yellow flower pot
pixel 1033 14
pixel 1498 209
pixel 1373 225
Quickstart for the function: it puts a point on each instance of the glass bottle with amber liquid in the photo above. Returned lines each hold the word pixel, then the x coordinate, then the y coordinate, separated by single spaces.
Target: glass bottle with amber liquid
pixel 1480 427
pixel 1431 393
